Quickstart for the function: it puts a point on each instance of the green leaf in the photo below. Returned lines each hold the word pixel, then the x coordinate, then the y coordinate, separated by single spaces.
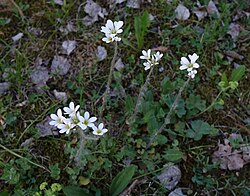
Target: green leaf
pixel 195 102
pixel 76 191
pixel 173 154
pixel 55 171
pixel 161 139
pixel 141 24
pixel 122 179
pixel 238 73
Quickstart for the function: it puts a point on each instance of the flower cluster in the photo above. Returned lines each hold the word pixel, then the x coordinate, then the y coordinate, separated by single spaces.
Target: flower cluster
pixel 75 120
pixel 111 29
pixel 191 65
pixel 151 60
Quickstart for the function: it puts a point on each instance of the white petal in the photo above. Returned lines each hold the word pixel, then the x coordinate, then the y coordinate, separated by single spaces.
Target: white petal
pixel 117 39
pixel 196 65
pixel 149 52
pixel 189 69
pixel 67 110
pixel 53 116
pixel 77 107
pixel 183 67
pixel 184 61
pixel 59 113
pixel 105 130
pixel 193 57
pixel 105 39
pixel 71 105
pixel 86 115
pixel 144 53
pixel 83 126
pixel 94 128
pixel 118 25
pixel 53 123
pixel 100 126
pixel 62 131
pixel 92 119
pixel 110 24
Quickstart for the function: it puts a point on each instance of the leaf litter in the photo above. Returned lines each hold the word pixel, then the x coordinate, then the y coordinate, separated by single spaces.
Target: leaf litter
pixel 182 12
pixel 68 47
pixel 60 65
pixel 229 158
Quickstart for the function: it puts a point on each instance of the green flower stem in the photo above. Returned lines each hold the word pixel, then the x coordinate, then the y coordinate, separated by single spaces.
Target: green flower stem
pixel 107 91
pixel 82 138
pixel 167 119
pixel 214 101
pixel 21 157
pixel 142 92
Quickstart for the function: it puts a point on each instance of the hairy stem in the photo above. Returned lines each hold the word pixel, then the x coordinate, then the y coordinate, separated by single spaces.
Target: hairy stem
pixel 214 101
pixel 142 92
pixel 167 119
pixel 80 150
pixel 107 91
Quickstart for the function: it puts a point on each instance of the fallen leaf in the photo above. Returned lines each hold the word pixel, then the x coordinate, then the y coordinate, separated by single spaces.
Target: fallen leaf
pixel 170 176
pixel 35 31
pixel 235 161
pixel 45 129
pixel 61 96
pixel 234 55
pixel 83 180
pixel 160 48
pixel 200 12
pixel 101 53
pixel 93 10
pixel 182 13
pixel 119 65
pixel 17 37
pixel 4 87
pixel 27 142
pixel 68 29
pixel 58 2
pixel 60 65
pixel 176 192
pixel 136 4
pixel 39 75
pixel 212 9
pixel 234 30
pixel 68 46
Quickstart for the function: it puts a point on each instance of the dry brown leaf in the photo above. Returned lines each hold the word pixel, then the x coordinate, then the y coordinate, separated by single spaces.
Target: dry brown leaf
pixel 212 9
pixel 200 12
pixel 234 30
pixel 182 13
pixel 160 48
pixel 235 161
pixel 233 55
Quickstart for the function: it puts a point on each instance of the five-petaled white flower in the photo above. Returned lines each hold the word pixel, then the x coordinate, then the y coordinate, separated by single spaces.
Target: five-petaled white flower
pixel 189 65
pixel 66 127
pixel 87 121
pixel 99 130
pixel 111 29
pixel 57 119
pixel 146 55
pixel 151 59
pixel 71 110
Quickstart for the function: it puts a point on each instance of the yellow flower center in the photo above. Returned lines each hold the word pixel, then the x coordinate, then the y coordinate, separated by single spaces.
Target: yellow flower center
pixel 190 65
pixel 99 131
pixel 86 122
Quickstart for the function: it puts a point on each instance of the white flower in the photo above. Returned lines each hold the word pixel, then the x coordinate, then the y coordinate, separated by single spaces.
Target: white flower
pixel 151 59
pixel 71 110
pixel 147 65
pixel 86 121
pixel 112 28
pixel 146 54
pixel 100 130
pixel 66 127
pixel 189 65
pixel 158 56
pixel 192 73
pixel 57 119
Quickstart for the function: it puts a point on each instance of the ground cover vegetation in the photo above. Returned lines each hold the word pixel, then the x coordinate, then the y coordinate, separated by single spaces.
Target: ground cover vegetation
pixel 124 97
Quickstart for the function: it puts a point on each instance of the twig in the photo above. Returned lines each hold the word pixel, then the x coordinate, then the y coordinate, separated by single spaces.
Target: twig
pixel 107 91
pixel 21 157
pixel 167 119
pixel 132 186
pixel 18 8
pixel 142 92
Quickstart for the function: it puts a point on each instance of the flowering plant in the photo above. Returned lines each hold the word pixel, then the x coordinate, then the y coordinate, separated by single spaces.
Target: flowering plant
pixel 75 120
pixel 151 60
pixel 111 29
pixel 191 65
